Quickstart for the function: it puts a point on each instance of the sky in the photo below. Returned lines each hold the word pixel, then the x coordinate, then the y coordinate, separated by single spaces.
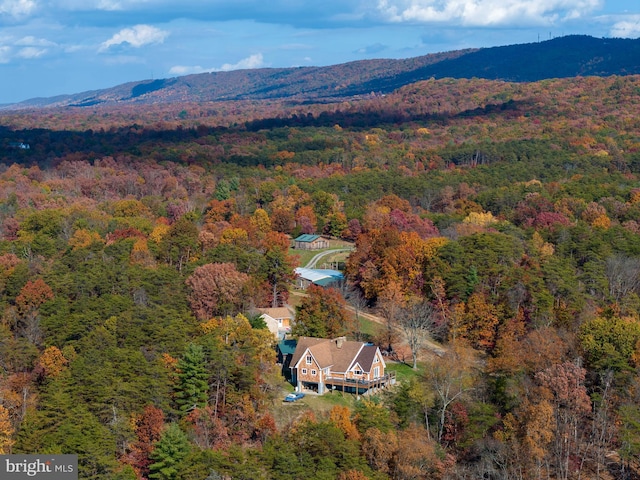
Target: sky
pixel 53 47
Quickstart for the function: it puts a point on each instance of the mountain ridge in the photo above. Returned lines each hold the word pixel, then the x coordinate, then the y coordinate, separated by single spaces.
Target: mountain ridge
pixel 569 56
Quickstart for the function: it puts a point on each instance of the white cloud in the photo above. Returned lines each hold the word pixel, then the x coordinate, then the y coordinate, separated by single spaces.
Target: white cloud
pixel 17 8
pixel 188 70
pixel 28 47
pixel 31 41
pixel 109 5
pixel 253 61
pixel 31 52
pixel 104 5
pixel 485 12
pixel 628 28
pixel 136 36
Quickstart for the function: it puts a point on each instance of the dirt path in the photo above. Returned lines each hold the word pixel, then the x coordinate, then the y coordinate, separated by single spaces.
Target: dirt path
pixel 313 262
pixel 402 349
pixel 429 345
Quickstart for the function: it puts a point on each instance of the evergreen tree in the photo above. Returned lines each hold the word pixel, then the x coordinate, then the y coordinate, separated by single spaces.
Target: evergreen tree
pixel 170 450
pixel 192 376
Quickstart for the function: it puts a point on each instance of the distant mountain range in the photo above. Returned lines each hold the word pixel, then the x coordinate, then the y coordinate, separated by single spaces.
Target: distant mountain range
pixel 569 56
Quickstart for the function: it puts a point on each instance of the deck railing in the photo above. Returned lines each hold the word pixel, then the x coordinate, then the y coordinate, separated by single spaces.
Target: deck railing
pixel 386 379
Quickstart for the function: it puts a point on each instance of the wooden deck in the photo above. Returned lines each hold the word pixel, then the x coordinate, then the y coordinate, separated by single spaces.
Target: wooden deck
pixel 358 385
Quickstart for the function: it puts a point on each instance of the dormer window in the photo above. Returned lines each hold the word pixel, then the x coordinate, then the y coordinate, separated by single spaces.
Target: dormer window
pixel 309 360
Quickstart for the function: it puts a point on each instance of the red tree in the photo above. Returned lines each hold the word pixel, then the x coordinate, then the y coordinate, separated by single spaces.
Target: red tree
pixel 215 289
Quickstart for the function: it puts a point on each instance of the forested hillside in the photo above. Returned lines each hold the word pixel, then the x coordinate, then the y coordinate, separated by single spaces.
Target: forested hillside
pixel 570 56
pixel 501 219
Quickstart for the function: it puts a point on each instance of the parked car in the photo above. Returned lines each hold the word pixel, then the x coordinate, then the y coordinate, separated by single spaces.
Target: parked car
pixel 292 397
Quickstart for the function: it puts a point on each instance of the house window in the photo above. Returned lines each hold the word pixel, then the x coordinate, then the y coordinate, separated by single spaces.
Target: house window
pixel 304 371
pixel 358 372
pixel 279 321
pixel 375 360
pixel 376 372
pixel 313 372
pixel 308 359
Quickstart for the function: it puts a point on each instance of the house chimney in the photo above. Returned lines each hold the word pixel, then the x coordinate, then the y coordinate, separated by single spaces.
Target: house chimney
pixel 340 341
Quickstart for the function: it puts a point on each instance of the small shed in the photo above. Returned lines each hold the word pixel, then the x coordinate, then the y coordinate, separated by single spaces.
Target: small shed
pixel 311 242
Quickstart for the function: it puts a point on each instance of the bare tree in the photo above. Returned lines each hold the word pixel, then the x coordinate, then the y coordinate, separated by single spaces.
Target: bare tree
pixel 390 303
pixel 417 321
pixel 451 377
pixel 623 274
pixel 357 301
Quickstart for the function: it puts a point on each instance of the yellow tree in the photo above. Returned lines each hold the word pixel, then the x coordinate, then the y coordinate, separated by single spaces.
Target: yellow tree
pixel 416 456
pixel 6 431
pixel 52 362
pixel 83 238
pixel 340 416
pixel 379 449
pixel 536 432
pixel 451 377
pixel 479 322
pixel 260 221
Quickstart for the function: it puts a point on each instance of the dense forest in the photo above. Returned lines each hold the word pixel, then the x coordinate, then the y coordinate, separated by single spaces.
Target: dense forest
pixel 499 220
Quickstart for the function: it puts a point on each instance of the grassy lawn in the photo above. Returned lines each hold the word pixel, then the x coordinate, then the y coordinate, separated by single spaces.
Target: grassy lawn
pixel 286 413
pixel 306 255
pixel 369 328
pixel 403 371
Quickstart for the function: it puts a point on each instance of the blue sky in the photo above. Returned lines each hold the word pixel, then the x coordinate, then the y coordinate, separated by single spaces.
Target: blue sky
pixel 51 47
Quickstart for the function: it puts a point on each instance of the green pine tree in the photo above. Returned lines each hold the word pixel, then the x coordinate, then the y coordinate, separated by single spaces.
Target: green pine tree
pixel 193 386
pixel 170 450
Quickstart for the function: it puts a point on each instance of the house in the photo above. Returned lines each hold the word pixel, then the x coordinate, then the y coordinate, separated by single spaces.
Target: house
pixel 322 365
pixel 278 320
pixel 311 242
pixel 321 277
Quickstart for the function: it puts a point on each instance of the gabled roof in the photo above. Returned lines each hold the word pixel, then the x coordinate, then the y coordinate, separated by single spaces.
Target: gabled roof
pixel 307 237
pixel 366 357
pixel 339 354
pixel 278 312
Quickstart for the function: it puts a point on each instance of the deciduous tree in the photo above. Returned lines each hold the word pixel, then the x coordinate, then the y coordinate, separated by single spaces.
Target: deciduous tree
pixel 322 314
pixel 6 431
pixel 417 321
pixel 216 289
